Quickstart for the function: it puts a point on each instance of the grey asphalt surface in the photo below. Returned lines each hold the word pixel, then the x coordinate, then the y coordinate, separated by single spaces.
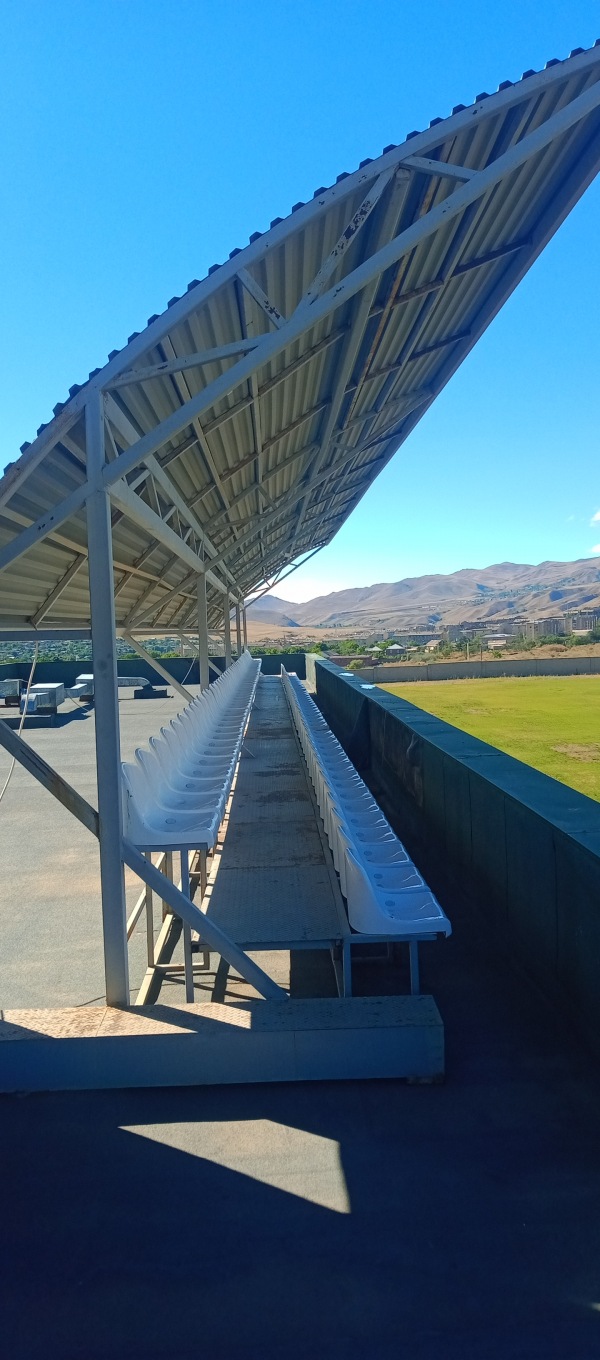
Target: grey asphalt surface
pixel 50 915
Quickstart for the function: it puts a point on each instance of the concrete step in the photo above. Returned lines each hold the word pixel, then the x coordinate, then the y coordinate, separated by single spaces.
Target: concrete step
pixel 95 1047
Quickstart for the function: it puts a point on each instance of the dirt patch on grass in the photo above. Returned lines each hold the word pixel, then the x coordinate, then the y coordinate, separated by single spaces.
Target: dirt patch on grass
pixel 587 754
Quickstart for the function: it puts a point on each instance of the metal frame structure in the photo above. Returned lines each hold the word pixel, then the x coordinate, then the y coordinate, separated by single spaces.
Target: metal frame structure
pixel 232 437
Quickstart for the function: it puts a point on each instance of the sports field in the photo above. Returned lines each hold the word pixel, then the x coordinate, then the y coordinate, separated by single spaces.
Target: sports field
pixel 552 723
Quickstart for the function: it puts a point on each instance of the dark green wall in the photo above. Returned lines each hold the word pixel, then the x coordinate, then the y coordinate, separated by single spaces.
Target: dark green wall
pixel 291 661
pixel 178 667
pixel 521 849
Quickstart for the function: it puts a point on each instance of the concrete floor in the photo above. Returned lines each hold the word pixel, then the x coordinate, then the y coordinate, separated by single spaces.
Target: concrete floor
pixel 351 1219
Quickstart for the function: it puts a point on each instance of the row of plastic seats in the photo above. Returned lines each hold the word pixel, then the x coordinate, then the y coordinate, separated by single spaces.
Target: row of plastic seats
pixel 176 789
pixel 384 892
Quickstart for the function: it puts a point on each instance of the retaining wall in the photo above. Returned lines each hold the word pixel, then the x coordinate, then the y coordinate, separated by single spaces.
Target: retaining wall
pixel 291 661
pixel 523 848
pixel 480 670
pixel 181 668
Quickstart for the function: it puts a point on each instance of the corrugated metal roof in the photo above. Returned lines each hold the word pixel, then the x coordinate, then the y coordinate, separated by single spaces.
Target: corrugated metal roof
pixel 277 456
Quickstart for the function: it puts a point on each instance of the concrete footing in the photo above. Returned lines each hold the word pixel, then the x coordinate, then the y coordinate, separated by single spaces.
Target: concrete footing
pixel 254 1041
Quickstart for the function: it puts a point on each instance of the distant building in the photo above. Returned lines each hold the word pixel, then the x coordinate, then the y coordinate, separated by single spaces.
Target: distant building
pixel 557 626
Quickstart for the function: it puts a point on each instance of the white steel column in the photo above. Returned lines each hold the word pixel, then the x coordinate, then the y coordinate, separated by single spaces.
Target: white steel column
pixel 245 626
pixel 227 630
pixel 238 629
pixel 203 633
pixel 106 704
pixel 187 930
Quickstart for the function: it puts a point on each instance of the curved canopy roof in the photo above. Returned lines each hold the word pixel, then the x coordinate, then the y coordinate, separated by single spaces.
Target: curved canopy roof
pixel 245 423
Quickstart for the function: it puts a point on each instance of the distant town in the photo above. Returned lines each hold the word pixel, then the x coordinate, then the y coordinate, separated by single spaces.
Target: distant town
pixel 472 638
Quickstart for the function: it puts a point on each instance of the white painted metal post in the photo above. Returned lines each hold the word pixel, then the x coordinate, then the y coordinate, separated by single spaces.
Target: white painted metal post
pixel 203 885
pixel 238 630
pixel 203 634
pixel 168 873
pixel 187 930
pixel 227 630
pixel 106 703
pixel 245 626
pixel 149 919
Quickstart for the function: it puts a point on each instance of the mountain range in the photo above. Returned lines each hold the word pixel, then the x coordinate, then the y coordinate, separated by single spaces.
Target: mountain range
pixel 491 593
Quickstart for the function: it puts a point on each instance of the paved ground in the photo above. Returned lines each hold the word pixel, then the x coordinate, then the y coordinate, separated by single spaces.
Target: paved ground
pixel 50 920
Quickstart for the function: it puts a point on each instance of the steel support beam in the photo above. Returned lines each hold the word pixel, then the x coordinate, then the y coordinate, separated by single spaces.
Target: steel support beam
pixel 238 630
pixel 227 629
pixel 156 665
pixel 58 589
pixel 427 166
pixel 14 477
pixel 154 472
pixel 185 587
pixel 347 237
pixel 179 365
pixel 255 408
pixel 106 704
pixel 203 659
pixel 295 494
pixel 184 393
pixel 134 508
pixel 260 297
pixel 355 337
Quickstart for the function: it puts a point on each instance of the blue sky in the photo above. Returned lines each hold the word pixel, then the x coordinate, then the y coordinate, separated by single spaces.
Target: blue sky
pixel 142 140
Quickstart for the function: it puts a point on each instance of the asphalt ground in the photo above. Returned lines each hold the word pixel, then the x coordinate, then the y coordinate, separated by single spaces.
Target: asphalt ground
pixel 50 907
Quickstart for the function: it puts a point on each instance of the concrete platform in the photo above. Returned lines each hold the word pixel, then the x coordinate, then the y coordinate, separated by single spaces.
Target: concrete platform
pixel 212 1044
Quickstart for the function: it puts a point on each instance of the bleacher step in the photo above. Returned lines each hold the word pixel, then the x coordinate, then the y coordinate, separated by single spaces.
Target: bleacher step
pixel 95 1047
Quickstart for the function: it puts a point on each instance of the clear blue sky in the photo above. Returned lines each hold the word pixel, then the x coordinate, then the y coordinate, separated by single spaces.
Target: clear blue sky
pixel 143 139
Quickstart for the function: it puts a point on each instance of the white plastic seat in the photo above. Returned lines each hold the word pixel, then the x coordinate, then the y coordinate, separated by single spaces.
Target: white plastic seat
pixel 177 789
pixel 178 776
pixel 385 893
pixel 373 910
pixel 160 790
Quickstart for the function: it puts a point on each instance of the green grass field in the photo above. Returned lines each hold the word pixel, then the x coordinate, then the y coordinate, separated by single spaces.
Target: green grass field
pixel 552 723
